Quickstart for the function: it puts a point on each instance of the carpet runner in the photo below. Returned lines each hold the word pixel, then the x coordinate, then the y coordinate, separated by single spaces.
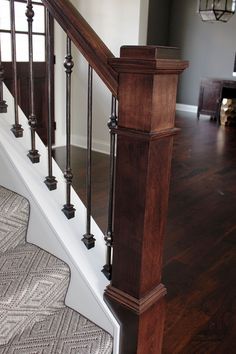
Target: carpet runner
pixel 33 285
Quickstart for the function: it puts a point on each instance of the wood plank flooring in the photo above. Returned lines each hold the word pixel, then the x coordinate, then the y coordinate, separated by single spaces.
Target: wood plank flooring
pixel 200 250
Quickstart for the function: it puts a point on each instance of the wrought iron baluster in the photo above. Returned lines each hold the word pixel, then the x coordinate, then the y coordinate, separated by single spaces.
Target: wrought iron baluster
pixel 16 128
pixel 33 153
pixel 68 208
pixel 88 239
pixel 3 105
pixel 50 180
pixel 112 124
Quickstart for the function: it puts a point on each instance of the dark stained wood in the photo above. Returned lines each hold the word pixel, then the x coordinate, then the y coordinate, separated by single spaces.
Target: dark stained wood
pixel 100 179
pixel 40 83
pixel 152 51
pixel 147 88
pixel 3 104
pixel 211 93
pixel 41 98
pixel 200 250
pixel 85 39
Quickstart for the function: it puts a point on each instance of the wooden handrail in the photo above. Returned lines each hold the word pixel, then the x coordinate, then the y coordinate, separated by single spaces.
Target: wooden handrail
pixel 85 39
pixel 144 79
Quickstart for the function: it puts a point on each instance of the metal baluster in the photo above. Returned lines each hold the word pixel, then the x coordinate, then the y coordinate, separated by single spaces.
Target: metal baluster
pixel 88 239
pixel 50 180
pixel 3 105
pixel 33 153
pixel 68 208
pixel 16 128
pixel 112 124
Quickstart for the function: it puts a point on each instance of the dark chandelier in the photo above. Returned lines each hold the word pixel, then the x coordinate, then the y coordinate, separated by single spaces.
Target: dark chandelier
pixel 216 10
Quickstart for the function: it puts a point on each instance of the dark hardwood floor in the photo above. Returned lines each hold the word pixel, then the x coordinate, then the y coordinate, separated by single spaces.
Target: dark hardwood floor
pixel 200 252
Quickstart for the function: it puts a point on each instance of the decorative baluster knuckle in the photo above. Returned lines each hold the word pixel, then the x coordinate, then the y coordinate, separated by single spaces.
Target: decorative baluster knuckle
pixel 33 153
pixel 16 129
pixel 108 238
pixel 68 175
pixel 68 64
pixel 88 239
pixel 113 121
pixel 68 208
pixel 29 12
pixel 107 268
pixel 50 180
pixel 32 121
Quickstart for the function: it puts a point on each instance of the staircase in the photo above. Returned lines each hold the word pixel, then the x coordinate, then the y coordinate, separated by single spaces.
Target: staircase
pixel 115 279
pixel 33 282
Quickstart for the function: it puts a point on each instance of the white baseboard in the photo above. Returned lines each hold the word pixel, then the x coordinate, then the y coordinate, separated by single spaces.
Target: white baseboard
pixel 104 146
pixel 186 108
pixel 98 145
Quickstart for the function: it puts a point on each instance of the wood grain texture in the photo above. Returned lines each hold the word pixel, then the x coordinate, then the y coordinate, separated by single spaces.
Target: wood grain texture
pixel 140 212
pixel 41 98
pixel 147 90
pixel 85 39
pixel 147 115
pixel 199 249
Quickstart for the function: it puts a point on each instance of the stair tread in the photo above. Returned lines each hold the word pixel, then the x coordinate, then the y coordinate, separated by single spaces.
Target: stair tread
pixel 65 332
pixel 33 285
pixel 14 216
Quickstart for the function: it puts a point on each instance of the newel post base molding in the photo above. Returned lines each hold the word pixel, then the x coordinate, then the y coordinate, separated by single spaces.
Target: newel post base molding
pixel 148 78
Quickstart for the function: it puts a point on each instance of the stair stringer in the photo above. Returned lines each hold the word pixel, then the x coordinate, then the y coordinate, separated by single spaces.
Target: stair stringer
pixel 49 228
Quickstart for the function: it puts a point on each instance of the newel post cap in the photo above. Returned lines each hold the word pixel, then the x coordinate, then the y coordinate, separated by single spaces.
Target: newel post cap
pixel 148 77
pixel 149 59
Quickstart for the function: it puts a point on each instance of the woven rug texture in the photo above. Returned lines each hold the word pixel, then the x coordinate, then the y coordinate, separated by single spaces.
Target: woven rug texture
pixel 33 285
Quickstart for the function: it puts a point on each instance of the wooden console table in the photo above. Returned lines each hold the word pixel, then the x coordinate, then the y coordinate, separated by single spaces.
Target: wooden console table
pixel 212 91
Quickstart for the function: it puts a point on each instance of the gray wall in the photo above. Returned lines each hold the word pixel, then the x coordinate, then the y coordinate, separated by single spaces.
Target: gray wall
pixel 209 47
pixel 158 22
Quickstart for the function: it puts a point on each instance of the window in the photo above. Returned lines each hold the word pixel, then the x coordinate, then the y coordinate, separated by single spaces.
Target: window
pixel 21 26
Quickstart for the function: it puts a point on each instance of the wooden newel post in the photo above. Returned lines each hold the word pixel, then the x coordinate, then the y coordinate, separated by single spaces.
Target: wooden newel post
pixel 148 78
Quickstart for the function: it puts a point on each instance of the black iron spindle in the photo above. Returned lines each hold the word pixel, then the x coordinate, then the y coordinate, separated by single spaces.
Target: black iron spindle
pixel 88 239
pixel 33 153
pixel 68 208
pixel 16 128
pixel 3 105
pixel 50 180
pixel 112 124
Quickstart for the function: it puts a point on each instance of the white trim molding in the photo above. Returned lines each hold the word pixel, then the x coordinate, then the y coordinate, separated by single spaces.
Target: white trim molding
pixel 98 145
pixel 186 108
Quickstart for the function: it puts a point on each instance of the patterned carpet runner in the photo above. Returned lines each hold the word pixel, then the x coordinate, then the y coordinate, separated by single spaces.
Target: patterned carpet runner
pixel 33 285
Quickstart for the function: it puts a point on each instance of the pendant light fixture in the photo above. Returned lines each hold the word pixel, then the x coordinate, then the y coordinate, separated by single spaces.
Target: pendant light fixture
pixel 216 10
